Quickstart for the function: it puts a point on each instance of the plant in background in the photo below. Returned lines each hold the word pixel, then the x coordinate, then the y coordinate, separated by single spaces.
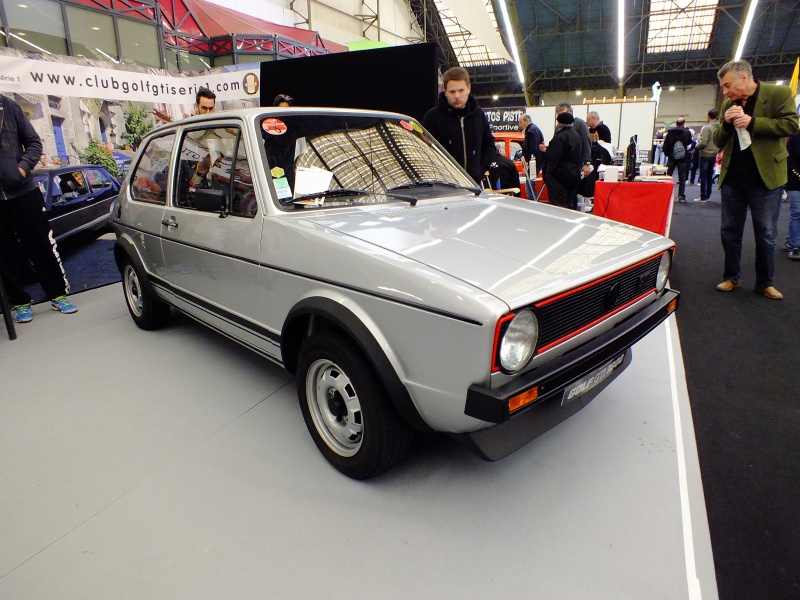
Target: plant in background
pixel 98 154
pixel 137 124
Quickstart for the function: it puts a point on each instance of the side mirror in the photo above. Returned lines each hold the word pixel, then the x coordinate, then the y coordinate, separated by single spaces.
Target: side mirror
pixel 210 200
pixel 518 155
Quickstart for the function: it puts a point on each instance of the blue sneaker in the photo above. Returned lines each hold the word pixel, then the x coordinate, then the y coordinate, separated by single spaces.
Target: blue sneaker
pixel 24 314
pixel 62 304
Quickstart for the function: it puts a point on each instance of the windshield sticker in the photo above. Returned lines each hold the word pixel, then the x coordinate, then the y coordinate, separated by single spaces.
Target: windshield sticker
pixel 274 126
pixel 406 125
pixel 282 188
pixel 277 172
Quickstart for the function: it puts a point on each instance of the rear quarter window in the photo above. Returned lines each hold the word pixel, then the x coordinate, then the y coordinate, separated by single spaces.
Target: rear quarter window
pixel 149 180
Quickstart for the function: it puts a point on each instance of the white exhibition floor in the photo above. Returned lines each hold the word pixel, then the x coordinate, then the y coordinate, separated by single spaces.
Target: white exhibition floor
pixel 175 464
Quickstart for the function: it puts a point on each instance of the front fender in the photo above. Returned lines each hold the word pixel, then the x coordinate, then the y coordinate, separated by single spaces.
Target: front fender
pixel 311 313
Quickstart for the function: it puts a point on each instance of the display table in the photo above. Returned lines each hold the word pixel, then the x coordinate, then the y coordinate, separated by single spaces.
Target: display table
pixel 644 204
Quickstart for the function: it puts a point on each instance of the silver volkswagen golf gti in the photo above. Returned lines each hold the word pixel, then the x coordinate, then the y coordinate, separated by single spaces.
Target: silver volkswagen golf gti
pixel 348 247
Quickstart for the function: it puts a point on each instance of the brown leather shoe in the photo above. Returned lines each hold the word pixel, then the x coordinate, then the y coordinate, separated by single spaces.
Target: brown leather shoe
pixel 770 292
pixel 729 284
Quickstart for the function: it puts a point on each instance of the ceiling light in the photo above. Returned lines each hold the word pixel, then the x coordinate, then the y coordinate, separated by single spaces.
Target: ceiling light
pixel 751 10
pixel 511 41
pixel 22 33
pixel 779 82
pixel 672 88
pixel 620 40
pixel 495 97
pixel 22 5
pixel 567 70
pixel 577 92
pixel 95 29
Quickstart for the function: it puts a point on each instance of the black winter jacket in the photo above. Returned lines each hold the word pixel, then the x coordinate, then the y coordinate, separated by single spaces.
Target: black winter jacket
pixel 464 133
pixel 673 135
pixel 563 159
pixel 20 146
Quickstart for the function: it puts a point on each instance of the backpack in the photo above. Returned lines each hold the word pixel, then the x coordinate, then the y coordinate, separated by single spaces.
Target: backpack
pixel 679 150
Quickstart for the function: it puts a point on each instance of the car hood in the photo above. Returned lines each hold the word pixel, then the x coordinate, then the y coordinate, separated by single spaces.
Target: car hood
pixel 516 250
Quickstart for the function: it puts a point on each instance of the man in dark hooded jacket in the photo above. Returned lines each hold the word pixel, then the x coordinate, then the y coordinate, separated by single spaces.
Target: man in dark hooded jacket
pixel 461 126
pixel 23 218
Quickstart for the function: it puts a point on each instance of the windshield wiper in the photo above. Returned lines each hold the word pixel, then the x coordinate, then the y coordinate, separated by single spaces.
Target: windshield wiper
pixel 431 183
pixel 332 194
pixel 352 192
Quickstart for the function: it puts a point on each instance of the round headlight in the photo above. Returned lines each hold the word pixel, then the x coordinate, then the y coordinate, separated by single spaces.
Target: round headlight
pixel 663 271
pixel 519 340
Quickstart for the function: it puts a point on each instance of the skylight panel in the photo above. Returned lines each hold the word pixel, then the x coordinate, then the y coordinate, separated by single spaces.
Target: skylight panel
pixel 469 50
pixel 676 25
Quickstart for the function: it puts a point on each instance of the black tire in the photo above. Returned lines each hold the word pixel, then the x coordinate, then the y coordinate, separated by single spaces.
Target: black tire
pixel 346 408
pixel 147 311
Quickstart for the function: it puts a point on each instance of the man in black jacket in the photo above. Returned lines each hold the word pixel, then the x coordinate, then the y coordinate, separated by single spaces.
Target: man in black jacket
pixel 461 126
pixel 22 216
pixel 563 163
pixel 678 154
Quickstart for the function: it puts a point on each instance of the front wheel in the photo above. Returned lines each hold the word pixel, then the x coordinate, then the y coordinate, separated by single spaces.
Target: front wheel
pixel 346 408
pixel 147 311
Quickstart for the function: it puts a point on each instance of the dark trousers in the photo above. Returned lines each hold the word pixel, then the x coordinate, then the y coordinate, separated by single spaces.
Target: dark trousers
pixel 559 194
pixel 707 176
pixel 682 169
pixel 693 170
pixel 24 219
pixel 765 207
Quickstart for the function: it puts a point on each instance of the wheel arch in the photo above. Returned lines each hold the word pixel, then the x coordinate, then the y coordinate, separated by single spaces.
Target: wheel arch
pixel 320 313
pixel 125 248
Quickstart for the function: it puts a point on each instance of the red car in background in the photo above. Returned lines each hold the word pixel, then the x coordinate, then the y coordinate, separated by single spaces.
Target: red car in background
pixel 509 144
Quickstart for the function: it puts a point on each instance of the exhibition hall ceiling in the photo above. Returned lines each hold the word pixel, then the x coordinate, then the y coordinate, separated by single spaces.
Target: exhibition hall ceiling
pixel 573 44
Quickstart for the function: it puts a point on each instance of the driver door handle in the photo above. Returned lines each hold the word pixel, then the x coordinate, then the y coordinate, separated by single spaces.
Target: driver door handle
pixel 170 223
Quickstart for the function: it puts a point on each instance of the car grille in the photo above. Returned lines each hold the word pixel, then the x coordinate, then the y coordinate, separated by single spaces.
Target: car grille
pixel 570 313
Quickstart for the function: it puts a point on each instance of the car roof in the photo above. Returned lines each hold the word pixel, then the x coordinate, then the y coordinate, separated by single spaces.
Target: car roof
pixel 247 113
pixel 47 169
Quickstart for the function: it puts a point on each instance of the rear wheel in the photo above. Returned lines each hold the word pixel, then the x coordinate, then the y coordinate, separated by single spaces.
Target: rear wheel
pixel 147 311
pixel 346 408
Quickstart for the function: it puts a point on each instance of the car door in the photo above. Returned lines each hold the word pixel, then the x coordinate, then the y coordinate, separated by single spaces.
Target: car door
pixel 102 191
pixel 148 189
pixel 67 203
pixel 212 256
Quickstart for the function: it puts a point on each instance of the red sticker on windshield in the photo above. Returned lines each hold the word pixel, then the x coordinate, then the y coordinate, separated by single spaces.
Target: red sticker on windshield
pixel 406 125
pixel 274 126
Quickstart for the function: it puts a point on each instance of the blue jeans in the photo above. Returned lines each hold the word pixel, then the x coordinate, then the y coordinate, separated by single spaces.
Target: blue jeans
pixel 793 237
pixel 706 176
pixel 765 207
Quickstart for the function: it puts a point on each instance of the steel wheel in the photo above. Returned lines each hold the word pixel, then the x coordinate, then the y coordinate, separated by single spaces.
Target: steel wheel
pixel 346 408
pixel 133 291
pixel 334 407
pixel 147 311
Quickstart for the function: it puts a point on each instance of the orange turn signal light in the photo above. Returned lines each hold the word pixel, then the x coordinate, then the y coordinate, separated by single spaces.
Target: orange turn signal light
pixel 522 399
pixel 673 305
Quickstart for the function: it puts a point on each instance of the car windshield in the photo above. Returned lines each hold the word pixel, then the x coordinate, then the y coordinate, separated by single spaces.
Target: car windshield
pixel 368 156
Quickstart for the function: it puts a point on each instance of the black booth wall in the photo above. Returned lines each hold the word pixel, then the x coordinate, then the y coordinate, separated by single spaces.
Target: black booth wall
pixel 401 79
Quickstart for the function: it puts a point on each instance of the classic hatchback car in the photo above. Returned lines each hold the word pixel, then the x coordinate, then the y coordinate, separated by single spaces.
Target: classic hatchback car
pixel 76 197
pixel 348 247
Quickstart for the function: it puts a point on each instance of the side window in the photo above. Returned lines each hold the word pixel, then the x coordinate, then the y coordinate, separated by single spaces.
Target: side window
pixel 206 160
pixel 243 201
pixel 97 179
pixel 71 184
pixel 149 181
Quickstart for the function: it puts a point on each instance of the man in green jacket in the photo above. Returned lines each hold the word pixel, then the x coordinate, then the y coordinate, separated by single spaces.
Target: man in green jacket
pixel 755 119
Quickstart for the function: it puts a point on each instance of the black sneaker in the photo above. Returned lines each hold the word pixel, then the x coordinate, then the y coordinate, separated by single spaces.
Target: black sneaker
pixel 681 198
pixel 703 199
pixel 794 253
pixel 787 247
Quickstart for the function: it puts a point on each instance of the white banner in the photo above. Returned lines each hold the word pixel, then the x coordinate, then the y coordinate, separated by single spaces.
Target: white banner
pixel 28 76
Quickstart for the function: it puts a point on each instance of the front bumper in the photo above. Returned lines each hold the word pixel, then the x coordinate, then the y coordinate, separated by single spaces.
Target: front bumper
pixel 515 430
